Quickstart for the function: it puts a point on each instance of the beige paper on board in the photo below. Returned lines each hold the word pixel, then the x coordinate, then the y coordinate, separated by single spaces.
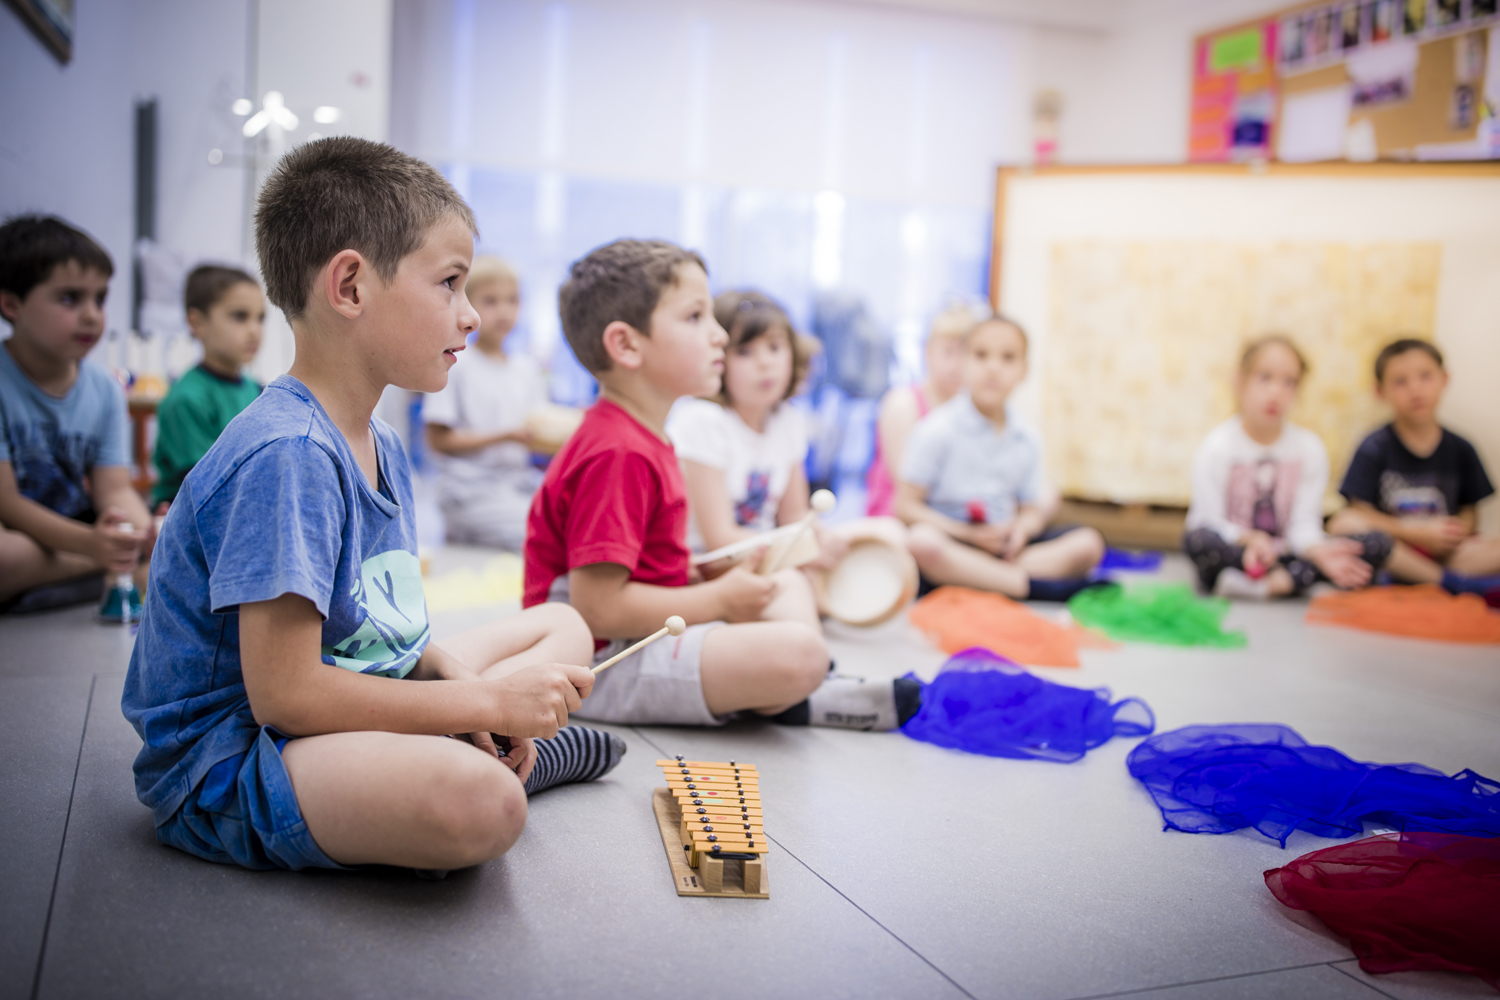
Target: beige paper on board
pixel 1145 337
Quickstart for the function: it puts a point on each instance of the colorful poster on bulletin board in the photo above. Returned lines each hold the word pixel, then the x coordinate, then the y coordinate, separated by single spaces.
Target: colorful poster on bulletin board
pixel 1234 95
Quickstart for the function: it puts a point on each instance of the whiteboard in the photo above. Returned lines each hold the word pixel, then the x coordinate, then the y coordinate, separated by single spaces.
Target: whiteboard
pixel 1048 221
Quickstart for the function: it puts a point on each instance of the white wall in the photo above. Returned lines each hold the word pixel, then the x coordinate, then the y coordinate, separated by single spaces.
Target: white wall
pixel 1131 95
pixel 67 131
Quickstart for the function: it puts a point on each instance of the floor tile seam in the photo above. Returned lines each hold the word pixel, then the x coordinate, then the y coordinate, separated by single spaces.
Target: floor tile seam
pixel 1336 967
pixel 871 917
pixel 1217 979
pixel 819 876
pixel 62 846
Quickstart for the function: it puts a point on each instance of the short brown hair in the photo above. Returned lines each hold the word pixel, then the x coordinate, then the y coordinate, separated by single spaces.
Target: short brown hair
pixel 341 194
pixel 622 281
pixel 32 246
pixel 207 283
pixel 1396 348
pixel 748 315
pixel 1247 356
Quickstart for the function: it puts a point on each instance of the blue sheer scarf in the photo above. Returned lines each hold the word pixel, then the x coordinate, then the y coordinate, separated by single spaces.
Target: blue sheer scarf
pixel 983 703
pixel 1217 779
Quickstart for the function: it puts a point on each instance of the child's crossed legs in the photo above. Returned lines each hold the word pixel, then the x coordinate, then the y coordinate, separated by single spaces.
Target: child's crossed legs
pixel 769 665
pixel 429 801
pixel 944 559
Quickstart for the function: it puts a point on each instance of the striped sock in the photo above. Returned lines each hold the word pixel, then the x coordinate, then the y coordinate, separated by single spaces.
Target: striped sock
pixel 574 754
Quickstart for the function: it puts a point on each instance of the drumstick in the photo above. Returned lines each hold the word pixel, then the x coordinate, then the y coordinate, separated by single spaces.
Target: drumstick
pixel 821 502
pixel 674 626
pixel 762 540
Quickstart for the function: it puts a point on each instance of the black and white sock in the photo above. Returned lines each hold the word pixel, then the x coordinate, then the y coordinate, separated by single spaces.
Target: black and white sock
pixel 574 754
pixel 856 703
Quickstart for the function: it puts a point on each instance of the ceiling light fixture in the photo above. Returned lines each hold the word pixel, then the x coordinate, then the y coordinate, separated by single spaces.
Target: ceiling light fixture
pixel 273 110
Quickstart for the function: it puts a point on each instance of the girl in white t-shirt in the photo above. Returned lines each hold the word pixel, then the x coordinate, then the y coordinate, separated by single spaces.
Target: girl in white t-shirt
pixel 1255 526
pixel 742 451
pixel 477 423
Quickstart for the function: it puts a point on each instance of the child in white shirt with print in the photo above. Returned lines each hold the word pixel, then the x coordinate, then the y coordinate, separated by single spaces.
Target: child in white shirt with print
pixel 1255 525
pixel 477 423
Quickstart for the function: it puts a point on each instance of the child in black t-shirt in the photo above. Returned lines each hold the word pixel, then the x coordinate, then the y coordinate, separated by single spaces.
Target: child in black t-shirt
pixel 1419 482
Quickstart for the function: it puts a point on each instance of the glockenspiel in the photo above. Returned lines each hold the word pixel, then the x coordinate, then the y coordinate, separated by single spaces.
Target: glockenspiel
pixel 713 827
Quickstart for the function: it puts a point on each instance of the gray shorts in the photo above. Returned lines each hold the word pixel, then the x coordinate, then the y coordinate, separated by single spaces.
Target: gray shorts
pixel 660 685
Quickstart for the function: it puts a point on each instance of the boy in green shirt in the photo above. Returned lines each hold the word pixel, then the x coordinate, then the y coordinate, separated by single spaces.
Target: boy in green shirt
pixel 226 311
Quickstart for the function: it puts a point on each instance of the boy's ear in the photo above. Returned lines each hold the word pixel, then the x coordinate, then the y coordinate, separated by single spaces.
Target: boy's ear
pixel 622 342
pixel 10 307
pixel 344 282
pixel 196 318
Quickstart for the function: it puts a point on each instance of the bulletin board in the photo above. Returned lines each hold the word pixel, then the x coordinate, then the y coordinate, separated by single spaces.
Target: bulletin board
pixel 1139 286
pixel 1409 75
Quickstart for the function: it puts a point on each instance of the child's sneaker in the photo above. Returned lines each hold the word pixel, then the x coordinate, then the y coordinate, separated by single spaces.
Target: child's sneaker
pixel 122 603
pixel 1237 583
pixel 857 703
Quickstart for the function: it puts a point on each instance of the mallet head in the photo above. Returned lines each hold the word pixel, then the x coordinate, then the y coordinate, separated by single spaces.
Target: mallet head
pixel 823 501
pixel 675 625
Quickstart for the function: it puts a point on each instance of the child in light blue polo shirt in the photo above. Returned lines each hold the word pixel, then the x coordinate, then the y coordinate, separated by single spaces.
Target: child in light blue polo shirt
pixel 974 490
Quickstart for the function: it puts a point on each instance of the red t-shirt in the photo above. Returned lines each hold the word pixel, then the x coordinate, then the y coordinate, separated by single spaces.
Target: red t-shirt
pixel 613 494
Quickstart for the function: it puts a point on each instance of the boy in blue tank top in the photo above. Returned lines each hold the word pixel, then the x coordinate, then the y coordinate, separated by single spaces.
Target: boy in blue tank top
pixel 273 678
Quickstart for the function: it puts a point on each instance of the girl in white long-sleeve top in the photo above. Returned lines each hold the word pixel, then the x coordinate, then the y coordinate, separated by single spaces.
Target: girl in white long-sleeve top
pixel 1255 526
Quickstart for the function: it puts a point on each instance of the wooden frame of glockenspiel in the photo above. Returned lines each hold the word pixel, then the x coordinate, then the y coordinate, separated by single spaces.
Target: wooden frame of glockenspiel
pixel 710 817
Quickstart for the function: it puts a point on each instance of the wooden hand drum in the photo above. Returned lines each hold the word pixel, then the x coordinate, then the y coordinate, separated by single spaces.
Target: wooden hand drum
pixel 876 579
pixel 551 426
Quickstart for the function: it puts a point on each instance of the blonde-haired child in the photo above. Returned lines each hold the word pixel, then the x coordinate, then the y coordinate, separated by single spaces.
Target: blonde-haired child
pixel 902 407
pixel 1255 526
pixel 477 423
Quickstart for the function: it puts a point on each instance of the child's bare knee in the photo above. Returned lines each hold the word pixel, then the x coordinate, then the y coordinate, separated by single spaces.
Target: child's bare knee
pixel 564 622
pixel 478 810
pixel 925 543
pixel 1090 547
pixel 803 659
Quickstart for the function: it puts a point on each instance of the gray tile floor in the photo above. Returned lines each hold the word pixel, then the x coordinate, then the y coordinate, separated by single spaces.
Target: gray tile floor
pixel 899 869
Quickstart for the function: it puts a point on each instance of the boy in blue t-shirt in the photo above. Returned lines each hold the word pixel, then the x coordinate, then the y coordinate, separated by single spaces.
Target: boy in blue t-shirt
pixel 67 509
pixel 287 602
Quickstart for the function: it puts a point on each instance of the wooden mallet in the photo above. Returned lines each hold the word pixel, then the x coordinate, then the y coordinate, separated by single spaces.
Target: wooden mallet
pixel 674 626
pixel 820 502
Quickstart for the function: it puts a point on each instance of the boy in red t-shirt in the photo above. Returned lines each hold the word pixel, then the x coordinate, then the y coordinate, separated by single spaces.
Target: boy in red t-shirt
pixel 608 528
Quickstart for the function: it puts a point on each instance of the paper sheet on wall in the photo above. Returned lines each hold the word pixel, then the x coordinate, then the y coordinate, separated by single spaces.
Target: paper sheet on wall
pixel 1145 337
pixel 1312 125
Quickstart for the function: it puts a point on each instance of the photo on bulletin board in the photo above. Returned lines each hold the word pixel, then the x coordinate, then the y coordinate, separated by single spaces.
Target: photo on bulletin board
pixel 1413 17
pixel 1350 22
pixel 1445 13
pixel 1292 40
pixel 1320 42
pixel 51 21
pixel 1382 20
pixel 1483 9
